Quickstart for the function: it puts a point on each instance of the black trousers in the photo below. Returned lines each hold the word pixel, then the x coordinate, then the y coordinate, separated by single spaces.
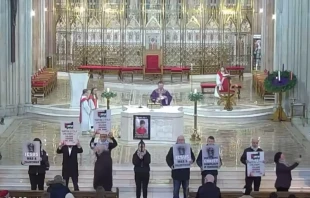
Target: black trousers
pixel 142 181
pixel 250 180
pixel 37 181
pixel 74 181
pixel 203 179
pixel 282 189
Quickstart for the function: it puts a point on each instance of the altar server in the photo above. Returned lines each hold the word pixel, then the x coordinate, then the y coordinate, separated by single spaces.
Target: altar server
pixel 84 111
pixel 179 176
pixel 250 180
pixel 204 173
pixel 93 104
pixel 221 81
pixel 161 95
pixel 70 167
pixel 141 160
pixel 107 140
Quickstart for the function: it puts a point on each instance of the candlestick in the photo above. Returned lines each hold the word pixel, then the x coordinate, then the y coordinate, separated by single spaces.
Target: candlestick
pixel 191 66
pixel 195 91
pixel 279 75
pixel 108 89
pixel 291 75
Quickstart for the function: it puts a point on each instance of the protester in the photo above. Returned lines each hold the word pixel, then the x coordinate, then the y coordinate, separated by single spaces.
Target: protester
pixel 57 187
pixel 208 189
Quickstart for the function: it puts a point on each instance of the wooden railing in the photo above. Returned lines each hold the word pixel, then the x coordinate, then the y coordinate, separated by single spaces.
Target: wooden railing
pixel 258 194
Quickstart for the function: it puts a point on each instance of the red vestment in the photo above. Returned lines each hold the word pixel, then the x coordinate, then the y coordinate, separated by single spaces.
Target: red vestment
pixel 141 130
pixel 224 81
pixel 81 102
pixel 94 99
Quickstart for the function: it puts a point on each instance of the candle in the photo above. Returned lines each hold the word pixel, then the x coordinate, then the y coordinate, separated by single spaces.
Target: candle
pixel 279 75
pixel 195 90
pixel 108 89
pixel 291 75
pixel 191 66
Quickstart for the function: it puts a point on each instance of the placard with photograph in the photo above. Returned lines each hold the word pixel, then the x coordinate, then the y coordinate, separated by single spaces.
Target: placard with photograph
pixel 102 121
pixel 142 127
pixel 69 133
pixel 210 157
pixel 182 156
pixel 31 153
pixel 255 164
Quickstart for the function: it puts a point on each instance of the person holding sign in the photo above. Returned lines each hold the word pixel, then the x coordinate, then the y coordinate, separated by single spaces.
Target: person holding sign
pixel 70 167
pixel 84 111
pixel 179 159
pixel 106 140
pixel 249 180
pixel 283 172
pixel 209 160
pixel 141 159
pixel 37 172
pixel 93 104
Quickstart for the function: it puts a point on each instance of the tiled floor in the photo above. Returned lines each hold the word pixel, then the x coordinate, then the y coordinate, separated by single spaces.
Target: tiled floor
pixel 233 138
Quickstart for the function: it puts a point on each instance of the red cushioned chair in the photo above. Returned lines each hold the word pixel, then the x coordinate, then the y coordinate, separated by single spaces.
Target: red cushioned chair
pixel 206 85
pixel 152 64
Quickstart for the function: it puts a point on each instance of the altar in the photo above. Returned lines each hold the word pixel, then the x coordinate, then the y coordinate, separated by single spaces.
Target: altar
pixel 166 123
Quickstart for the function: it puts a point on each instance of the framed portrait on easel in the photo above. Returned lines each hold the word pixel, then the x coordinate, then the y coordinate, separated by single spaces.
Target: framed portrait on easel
pixel 142 127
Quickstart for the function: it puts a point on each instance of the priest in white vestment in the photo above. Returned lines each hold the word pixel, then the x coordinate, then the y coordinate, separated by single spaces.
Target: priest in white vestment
pixel 93 104
pixel 221 81
pixel 85 111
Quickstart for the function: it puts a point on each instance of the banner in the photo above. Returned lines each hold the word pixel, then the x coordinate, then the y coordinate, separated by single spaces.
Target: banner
pixel 210 157
pixel 182 156
pixel 255 164
pixel 141 127
pixel 102 121
pixel 69 133
pixel 31 153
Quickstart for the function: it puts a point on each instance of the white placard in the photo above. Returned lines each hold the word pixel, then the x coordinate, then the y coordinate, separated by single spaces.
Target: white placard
pixel 102 121
pixel 69 133
pixel 255 164
pixel 31 153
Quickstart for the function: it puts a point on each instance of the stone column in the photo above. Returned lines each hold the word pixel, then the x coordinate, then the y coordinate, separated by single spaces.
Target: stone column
pixel 15 79
pixel 257 17
pixel 267 32
pixel 50 36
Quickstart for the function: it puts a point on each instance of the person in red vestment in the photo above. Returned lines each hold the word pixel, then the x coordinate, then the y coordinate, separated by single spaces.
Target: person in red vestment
pixel 221 81
pixel 141 130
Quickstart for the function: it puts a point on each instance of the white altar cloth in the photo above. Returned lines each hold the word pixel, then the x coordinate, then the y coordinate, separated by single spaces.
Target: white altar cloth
pixel 167 123
pixel 78 82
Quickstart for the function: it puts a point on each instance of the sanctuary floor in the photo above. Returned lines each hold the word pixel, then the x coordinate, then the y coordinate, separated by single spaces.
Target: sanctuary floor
pixel 233 138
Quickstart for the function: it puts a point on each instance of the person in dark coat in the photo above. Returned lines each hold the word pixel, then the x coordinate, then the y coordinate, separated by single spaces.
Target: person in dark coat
pixel 106 140
pixel 179 176
pixel 283 172
pixel 208 189
pixel 141 160
pixel 204 173
pixel 37 173
pixel 70 167
pixel 250 180
pixel 57 188
pixel 103 171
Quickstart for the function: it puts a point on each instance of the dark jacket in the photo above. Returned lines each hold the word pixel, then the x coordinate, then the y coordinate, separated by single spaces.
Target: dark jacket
pixel 141 165
pixel 178 174
pixel 58 190
pixel 112 144
pixel 103 172
pixel 70 165
pixel 208 190
pixel 206 172
pixel 244 155
pixel 284 176
pixel 44 166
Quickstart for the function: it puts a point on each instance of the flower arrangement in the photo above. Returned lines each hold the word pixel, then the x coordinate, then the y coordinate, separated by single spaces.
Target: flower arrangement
pixel 108 94
pixel 280 81
pixel 195 96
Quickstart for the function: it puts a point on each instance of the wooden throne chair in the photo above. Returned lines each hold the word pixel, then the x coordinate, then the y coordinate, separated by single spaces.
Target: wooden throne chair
pixel 152 63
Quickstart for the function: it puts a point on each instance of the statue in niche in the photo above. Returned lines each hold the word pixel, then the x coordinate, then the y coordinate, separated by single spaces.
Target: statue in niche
pixel 240 47
pixel 134 5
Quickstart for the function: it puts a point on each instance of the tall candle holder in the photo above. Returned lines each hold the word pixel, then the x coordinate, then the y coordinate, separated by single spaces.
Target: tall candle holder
pixel 108 95
pixel 195 97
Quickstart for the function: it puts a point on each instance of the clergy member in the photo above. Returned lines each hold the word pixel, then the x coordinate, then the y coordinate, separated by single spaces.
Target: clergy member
pixel 221 81
pixel 84 111
pixel 161 95
pixel 93 104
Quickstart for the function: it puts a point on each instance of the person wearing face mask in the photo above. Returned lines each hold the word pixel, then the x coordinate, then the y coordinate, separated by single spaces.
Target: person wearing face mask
pixel 221 81
pixel 37 173
pixel 70 167
pixel 204 173
pixel 250 180
pixel 93 104
pixel 283 172
pixel 104 139
pixel 179 176
pixel 141 160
